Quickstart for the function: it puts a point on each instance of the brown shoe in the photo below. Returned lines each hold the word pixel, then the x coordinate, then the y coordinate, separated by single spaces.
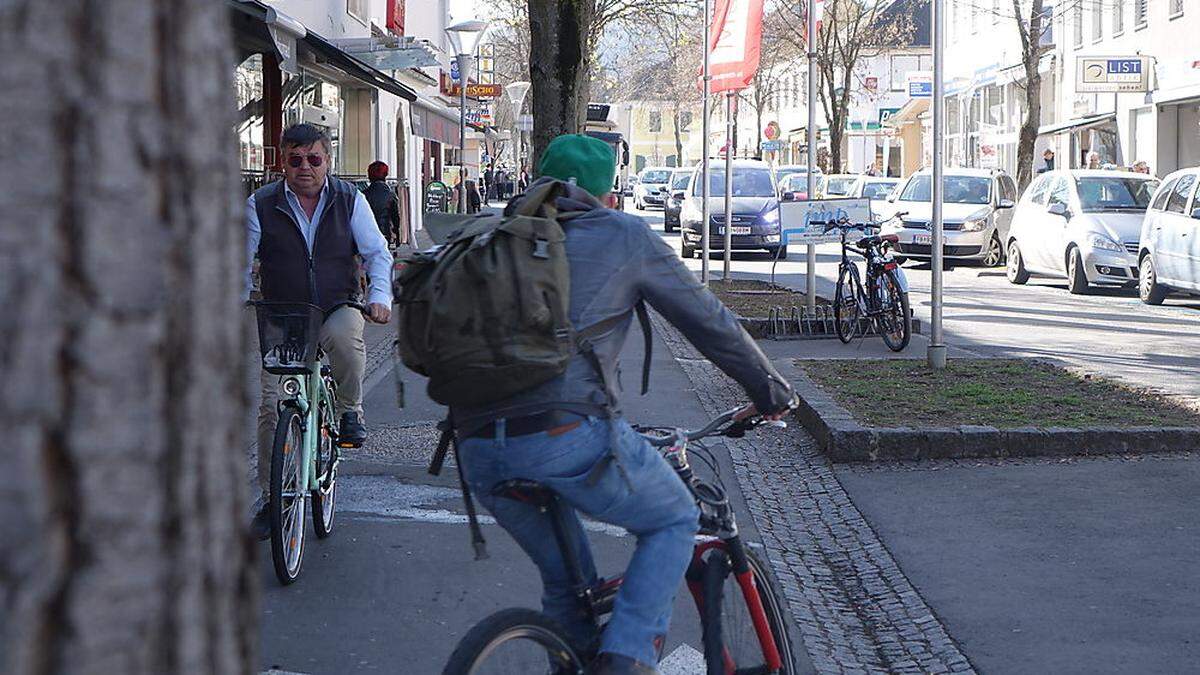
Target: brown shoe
pixel 616 664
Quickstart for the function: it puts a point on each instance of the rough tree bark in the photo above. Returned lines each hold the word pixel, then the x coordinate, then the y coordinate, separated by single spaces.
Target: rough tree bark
pixel 558 66
pixel 123 546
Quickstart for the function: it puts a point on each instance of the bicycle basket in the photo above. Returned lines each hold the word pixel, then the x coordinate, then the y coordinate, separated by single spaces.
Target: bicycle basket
pixel 288 333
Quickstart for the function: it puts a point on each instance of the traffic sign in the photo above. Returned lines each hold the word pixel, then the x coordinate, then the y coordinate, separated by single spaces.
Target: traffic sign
pixel 771 146
pixel 454 69
pixel 772 131
pixel 919 84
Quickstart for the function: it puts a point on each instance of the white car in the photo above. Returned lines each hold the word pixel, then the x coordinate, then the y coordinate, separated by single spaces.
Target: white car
pixel 976 211
pixel 877 189
pixel 1169 251
pixel 840 184
pixel 1080 224
pixel 652 186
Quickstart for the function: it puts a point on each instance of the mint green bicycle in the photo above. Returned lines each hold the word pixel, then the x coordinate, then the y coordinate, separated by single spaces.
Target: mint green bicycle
pixel 304 455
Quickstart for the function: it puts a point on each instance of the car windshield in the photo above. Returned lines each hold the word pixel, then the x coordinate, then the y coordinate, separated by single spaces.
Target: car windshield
pixel 840 186
pixel 681 180
pixel 1100 193
pixel 655 176
pixel 955 189
pixel 879 190
pixel 746 183
pixel 798 182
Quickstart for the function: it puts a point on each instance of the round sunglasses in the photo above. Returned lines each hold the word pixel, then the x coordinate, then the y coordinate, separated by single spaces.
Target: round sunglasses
pixel 297 161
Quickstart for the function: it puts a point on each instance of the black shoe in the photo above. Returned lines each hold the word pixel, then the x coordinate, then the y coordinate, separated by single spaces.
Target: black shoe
pixel 352 433
pixel 261 525
pixel 616 664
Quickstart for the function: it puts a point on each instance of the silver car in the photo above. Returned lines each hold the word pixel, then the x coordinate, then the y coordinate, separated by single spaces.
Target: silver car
pixel 976 211
pixel 1169 257
pixel 1080 224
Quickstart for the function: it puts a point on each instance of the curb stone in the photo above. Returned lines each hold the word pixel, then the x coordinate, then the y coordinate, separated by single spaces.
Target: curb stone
pixel 843 439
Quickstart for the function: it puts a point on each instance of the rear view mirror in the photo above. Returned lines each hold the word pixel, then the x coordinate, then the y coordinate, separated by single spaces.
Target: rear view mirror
pixel 1059 209
pixel 892 197
pixel 678 194
pixel 1006 204
pixel 789 196
pixel 1196 213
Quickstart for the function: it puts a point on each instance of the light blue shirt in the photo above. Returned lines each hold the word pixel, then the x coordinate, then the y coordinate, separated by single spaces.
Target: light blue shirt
pixel 371 245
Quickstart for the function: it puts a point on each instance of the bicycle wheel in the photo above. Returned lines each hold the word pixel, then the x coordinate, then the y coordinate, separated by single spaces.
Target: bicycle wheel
pixel 324 496
pixel 731 645
pixel 893 323
pixel 514 641
pixel 847 311
pixel 287 498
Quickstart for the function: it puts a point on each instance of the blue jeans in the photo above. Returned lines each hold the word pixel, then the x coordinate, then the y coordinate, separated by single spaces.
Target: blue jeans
pixel 659 510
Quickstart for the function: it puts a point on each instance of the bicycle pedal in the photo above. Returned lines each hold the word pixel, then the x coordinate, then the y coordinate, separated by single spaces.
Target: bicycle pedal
pixel 348 444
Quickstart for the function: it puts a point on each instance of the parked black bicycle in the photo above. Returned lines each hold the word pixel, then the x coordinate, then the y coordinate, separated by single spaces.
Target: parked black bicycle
pixel 882 300
pixel 743 619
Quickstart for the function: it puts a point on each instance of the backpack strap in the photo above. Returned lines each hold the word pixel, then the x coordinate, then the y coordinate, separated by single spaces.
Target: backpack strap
pixel 445 441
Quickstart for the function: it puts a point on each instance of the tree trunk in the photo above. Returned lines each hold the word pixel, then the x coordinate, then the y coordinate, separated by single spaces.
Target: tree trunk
pixel 558 68
pixel 678 137
pixel 124 546
pixel 1027 136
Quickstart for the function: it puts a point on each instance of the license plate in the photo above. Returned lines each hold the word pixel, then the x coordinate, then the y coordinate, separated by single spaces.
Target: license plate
pixel 744 229
pixel 925 239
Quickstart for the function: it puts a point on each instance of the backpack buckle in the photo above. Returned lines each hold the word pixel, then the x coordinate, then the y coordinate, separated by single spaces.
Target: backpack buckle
pixel 541 248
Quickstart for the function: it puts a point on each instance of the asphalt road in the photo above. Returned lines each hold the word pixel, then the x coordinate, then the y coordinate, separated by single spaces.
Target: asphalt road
pixel 1109 332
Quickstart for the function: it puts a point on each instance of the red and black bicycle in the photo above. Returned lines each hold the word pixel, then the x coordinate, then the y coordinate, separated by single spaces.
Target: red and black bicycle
pixel 744 627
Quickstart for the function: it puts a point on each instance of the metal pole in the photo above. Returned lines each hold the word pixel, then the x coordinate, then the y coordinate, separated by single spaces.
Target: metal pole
pixel 937 347
pixel 464 68
pixel 704 209
pixel 810 275
pixel 728 239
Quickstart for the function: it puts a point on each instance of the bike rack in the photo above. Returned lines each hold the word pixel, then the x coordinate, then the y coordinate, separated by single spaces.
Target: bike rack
pixel 797 323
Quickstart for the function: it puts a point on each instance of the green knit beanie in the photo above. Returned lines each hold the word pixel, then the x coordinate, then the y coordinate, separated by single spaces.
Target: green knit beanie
pixel 588 162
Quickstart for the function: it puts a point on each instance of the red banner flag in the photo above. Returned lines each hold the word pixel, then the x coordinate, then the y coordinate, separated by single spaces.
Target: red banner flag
pixel 734 43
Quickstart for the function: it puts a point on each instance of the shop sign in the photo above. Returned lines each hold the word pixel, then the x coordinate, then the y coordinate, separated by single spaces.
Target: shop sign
pixel 1112 74
pixel 919 84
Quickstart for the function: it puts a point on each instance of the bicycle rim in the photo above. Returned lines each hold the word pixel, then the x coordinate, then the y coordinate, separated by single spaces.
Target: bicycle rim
pixel 514 641
pixel 288 501
pixel 893 324
pixel 846 312
pixel 325 496
pixel 731 645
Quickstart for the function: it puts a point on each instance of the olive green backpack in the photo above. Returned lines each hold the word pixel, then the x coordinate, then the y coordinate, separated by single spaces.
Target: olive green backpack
pixel 486 315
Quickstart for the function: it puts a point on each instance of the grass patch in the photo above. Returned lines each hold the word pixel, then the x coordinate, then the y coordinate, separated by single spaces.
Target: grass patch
pixel 752 298
pixel 1002 393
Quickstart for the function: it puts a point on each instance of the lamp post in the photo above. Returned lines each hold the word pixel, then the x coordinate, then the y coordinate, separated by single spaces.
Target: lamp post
pixel 516 95
pixel 464 37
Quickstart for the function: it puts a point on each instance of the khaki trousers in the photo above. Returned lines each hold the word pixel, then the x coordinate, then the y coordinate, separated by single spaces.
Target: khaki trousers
pixel 342 339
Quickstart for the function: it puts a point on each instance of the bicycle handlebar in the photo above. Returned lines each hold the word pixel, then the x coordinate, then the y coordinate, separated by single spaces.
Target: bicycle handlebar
pixel 732 423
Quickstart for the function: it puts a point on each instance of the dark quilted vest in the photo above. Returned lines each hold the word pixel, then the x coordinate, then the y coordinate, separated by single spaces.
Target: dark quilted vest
pixel 330 276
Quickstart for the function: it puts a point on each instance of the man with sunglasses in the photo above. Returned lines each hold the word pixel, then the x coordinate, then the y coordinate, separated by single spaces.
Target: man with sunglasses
pixel 308 231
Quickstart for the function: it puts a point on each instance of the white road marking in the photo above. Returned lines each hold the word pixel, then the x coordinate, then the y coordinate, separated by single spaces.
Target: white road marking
pixel 683 660
pixel 386 498
pixel 276 671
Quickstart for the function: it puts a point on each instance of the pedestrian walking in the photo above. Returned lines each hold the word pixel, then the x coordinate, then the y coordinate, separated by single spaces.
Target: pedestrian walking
pixel 489 185
pixel 473 197
pixel 384 203
pixel 308 231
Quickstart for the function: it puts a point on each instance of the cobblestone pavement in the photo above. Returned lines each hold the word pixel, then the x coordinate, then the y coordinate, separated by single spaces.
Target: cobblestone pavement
pixel 855 608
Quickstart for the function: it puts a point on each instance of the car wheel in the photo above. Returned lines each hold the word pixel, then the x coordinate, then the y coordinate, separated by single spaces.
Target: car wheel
pixel 1077 282
pixel 1149 290
pixel 1015 270
pixel 994 254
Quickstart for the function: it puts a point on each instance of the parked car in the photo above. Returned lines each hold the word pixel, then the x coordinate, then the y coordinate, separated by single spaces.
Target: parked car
pixel 877 189
pixel 630 183
pixel 651 189
pixel 675 194
pixel 785 170
pixel 1169 248
pixel 976 211
pixel 794 187
pixel 1080 224
pixel 840 184
pixel 755 210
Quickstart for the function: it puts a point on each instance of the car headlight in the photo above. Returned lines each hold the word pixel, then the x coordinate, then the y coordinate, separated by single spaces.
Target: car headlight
pixel 974 225
pixel 1103 243
pixel 771 216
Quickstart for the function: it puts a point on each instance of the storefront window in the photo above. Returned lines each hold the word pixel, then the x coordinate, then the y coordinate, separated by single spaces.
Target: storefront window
pixel 311 98
pixel 248 87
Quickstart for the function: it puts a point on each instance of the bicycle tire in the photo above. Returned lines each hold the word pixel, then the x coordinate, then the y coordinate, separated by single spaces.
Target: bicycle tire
pixel 847 312
pixel 324 500
pixel 719 615
pixel 897 301
pixel 471 655
pixel 287 543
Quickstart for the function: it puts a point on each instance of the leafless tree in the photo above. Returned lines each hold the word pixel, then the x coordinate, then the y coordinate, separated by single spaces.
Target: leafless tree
pixel 124 546
pixel 852 31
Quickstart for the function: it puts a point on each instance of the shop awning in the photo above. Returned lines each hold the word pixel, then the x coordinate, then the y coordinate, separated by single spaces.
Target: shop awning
pixel 287 34
pixel 1089 121
pixel 435 122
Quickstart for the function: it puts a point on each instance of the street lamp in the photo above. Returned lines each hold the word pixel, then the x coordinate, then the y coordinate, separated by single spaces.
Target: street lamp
pixel 464 37
pixel 516 94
